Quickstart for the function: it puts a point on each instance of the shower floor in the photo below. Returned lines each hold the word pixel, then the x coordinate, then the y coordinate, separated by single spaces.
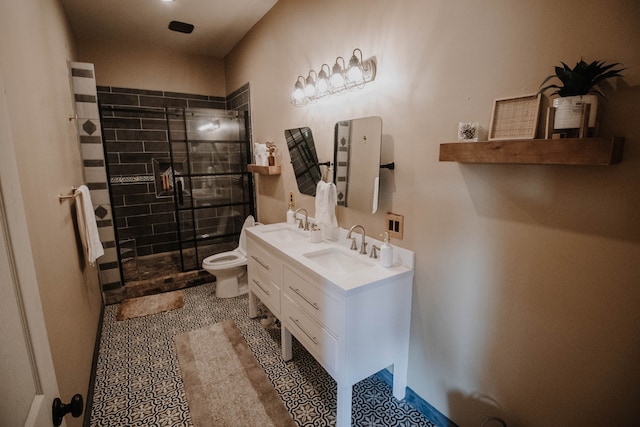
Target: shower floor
pixel 154 274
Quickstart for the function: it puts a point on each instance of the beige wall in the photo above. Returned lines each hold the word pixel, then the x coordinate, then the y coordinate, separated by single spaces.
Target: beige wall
pixel 526 286
pixel 526 289
pixel 35 45
pixel 123 66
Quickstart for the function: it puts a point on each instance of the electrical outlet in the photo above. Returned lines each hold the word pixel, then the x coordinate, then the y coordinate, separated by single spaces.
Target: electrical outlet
pixel 395 225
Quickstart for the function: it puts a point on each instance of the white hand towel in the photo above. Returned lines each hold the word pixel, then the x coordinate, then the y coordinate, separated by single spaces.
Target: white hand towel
pixel 321 202
pixel 326 200
pixel 332 202
pixel 87 225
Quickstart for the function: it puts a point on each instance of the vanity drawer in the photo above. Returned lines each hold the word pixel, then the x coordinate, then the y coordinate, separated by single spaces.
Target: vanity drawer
pixel 315 302
pixel 316 339
pixel 259 259
pixel 266 290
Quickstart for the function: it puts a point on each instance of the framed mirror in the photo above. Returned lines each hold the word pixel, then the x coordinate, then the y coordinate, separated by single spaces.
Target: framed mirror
pixel 304 159
pixel 356 170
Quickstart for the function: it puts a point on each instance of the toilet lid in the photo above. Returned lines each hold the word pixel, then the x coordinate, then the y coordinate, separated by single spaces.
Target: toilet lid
pixel 242 246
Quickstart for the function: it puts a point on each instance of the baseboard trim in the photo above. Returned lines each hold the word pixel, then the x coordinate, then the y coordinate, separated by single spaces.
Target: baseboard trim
pixel 418 403
pixel 94 366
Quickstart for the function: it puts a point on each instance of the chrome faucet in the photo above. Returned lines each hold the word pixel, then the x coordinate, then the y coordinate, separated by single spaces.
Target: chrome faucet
pixel 374 252
pixel 363 244
pixel 306 218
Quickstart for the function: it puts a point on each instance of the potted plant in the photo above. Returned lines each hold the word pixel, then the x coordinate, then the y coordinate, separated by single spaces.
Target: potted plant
pixel 578 86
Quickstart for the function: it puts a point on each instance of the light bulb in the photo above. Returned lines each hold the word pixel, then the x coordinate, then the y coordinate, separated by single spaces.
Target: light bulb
pixel 310 87
pixel 322 86
pixel 298 94
pixel 337 78
pixel 354 74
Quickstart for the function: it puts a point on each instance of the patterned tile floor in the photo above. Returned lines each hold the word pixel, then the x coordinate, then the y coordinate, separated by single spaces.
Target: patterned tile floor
pixel 138 381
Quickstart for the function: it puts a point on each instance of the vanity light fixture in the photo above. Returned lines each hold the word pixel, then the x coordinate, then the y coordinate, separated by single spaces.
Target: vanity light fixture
pixel 334 80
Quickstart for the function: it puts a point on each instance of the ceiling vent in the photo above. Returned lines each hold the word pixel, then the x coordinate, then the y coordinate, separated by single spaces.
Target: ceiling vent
pixel 181 27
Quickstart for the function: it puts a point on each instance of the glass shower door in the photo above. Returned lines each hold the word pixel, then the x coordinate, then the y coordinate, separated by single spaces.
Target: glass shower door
pixel 213 191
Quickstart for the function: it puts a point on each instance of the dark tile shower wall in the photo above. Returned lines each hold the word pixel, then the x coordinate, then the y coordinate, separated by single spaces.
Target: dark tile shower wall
pixel 238 100
pixel 133 139
pixel 145 220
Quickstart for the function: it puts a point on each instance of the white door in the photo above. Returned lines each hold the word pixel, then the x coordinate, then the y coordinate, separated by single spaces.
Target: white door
pixel 27 378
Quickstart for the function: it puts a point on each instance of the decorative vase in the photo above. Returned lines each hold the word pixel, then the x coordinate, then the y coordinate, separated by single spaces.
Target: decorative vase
pixel 569 111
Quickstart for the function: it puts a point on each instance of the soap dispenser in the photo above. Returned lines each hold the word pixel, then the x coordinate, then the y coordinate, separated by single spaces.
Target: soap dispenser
pixel 290 213
pixel 386 251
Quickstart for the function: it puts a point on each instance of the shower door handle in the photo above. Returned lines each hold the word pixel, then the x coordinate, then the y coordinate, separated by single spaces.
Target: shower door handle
pixel 180 195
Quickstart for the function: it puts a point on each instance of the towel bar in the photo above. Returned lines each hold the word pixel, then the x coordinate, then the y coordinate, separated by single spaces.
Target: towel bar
pixel 73 195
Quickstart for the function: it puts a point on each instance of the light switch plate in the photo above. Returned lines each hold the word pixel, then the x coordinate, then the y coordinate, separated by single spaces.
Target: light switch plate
pixel 395 225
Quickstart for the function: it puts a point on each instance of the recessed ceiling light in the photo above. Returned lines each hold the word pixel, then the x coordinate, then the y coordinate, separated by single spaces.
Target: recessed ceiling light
pixel 168 1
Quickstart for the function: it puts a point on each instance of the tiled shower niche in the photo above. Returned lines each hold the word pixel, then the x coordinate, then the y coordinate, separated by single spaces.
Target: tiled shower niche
pixel 161 145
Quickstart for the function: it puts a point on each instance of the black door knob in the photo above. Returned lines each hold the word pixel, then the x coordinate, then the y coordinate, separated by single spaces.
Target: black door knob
pixel 59 409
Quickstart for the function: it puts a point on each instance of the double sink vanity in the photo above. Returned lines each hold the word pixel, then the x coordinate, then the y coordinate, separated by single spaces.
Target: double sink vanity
pixel 348 311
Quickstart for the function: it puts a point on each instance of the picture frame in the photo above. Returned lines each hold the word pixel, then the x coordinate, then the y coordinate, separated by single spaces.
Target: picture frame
pixel 515 118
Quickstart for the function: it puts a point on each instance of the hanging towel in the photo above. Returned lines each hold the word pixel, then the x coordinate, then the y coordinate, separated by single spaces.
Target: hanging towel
pixel 87 226
pixel 326 201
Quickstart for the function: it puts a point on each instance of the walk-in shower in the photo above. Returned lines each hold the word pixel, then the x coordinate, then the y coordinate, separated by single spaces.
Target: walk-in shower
pixel 179 185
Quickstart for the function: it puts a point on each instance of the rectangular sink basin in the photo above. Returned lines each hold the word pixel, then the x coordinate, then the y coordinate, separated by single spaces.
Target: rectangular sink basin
pixel 338 260
pixel 284 234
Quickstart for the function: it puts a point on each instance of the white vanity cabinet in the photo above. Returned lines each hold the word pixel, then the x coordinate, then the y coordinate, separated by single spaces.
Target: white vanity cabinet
pixel 264 277
pixel 353 323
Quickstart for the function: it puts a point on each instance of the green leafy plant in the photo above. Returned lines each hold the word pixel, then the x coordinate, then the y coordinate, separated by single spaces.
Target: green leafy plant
pixel 581 79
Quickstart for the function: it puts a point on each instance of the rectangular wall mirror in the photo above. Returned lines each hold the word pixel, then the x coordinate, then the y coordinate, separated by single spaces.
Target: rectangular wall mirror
pixel 303 159
pixel 356 170
pixel 356 161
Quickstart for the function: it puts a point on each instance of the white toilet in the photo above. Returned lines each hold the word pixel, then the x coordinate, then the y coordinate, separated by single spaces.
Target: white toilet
pixel 230 268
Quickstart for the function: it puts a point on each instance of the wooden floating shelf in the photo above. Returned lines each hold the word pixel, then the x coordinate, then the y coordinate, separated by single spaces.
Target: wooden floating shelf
pixel 265 170
pixel 569 151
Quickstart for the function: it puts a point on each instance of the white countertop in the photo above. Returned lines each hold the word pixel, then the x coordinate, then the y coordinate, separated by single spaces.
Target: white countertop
pixel 300 244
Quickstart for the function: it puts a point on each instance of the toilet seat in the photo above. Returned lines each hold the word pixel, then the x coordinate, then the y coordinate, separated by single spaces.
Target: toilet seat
pixel 230 259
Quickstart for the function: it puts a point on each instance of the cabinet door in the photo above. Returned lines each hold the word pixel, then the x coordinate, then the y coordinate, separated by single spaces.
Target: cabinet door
pixel 261 259
pixel 316 303
pixel 263 287
pixel 315 338
pixel 265 276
